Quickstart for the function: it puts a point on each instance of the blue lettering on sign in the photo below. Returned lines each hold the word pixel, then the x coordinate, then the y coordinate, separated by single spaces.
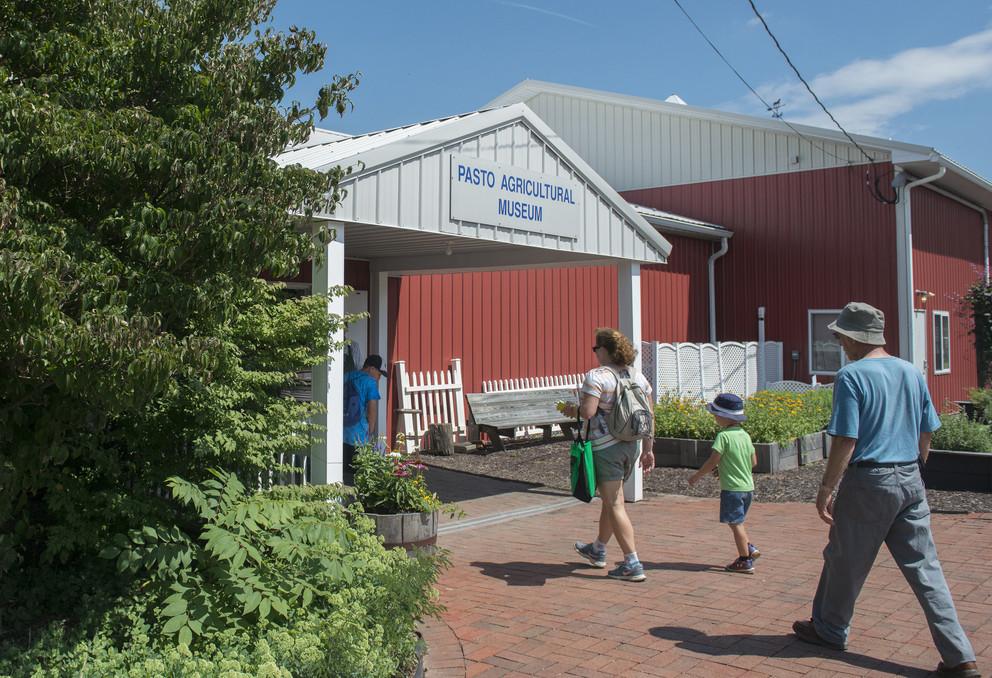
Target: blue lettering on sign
pixel 476 176
pixel 536 189
pixel 520 210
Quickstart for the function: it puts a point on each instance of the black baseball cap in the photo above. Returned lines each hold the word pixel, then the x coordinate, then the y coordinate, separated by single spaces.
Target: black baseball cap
pixel 376 362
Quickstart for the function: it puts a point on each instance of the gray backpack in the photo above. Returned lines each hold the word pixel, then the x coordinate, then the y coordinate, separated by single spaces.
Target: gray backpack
pixel 632 415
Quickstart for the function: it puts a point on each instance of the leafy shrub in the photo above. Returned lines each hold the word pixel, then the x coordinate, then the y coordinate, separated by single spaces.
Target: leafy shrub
pixel 278 583
pixel 957 432
pixel 683 417
pixel 981 398
pixel 979 301
pixel 780 416
pixel 772 416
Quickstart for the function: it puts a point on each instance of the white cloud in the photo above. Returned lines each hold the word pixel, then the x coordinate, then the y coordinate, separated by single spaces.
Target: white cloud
pixel 755 22
pixel 866 95
pixel 542 10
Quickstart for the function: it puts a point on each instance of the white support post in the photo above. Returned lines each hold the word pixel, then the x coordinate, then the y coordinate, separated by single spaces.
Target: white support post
pixel 379 336
pixel 629 317
pixel 326 464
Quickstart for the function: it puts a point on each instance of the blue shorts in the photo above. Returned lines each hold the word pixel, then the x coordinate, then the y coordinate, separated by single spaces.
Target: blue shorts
pixel 734 506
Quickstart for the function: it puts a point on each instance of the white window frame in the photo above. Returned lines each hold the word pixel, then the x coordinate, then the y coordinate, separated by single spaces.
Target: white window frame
pixel 938 341
pixel 809 340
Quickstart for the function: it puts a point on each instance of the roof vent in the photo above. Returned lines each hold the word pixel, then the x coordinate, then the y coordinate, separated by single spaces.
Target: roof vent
pixel 675 99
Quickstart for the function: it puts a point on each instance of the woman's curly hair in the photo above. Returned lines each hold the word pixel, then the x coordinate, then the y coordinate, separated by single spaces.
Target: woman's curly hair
pixel 621 351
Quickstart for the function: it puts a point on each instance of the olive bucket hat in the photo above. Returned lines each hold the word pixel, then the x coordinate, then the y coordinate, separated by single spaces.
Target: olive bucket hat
pixel 862 322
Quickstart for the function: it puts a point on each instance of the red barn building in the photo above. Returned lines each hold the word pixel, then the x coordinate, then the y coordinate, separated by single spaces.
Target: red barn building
pixel 758 215
pixel 810 234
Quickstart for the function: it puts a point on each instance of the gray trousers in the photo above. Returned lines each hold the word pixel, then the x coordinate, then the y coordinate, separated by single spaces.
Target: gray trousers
pixel 876 505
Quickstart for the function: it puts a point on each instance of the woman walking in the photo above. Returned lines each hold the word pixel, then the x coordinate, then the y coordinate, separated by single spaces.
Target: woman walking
pixel 614 459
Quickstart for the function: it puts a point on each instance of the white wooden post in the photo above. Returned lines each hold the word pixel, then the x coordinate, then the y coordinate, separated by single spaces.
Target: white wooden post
pixel 629 316
pixel 326 451
pixel 379 335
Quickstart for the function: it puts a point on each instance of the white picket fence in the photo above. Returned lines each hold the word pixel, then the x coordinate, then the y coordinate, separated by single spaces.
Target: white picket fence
pixel 437 397
pixel 704 370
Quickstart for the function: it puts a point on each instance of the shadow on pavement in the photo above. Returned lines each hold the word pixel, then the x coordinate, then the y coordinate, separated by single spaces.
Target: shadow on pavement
pixel 459 486
pixel 683 567
pixel 532 574
pixel 780 646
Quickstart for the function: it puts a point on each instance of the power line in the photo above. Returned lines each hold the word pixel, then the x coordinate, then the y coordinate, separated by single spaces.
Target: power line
pixel 877 191
pixel 772 108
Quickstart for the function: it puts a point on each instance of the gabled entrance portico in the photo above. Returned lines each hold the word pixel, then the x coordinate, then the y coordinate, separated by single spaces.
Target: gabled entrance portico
pixel 485 191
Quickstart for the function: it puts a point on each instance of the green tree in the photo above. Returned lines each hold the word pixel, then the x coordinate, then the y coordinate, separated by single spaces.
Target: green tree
pixel 138 205
pixel 979 300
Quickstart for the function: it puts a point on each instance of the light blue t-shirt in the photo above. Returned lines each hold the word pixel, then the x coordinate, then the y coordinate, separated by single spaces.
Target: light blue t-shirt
pixel 359 389
pixel 885 404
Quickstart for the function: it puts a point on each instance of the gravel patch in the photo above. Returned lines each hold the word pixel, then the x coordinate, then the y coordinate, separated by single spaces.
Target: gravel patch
pixel 534 461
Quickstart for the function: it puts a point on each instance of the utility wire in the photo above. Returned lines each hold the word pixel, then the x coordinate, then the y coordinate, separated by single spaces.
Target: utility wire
pixel 760 98
pixel 877 191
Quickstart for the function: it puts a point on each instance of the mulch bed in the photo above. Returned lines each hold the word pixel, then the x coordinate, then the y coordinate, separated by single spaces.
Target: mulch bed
pixel 533 461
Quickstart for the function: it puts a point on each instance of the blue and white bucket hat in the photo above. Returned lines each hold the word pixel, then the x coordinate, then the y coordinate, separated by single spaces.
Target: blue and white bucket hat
pixel 729 406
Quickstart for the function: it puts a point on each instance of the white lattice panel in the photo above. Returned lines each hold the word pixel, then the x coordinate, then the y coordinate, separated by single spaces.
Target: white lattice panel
pixel 704 370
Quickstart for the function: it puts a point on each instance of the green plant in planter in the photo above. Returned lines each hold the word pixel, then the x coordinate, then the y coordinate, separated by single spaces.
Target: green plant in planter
pixel 778 416
pixel 683 417
pixel 981 398
pixel 957 432
pixel 394 483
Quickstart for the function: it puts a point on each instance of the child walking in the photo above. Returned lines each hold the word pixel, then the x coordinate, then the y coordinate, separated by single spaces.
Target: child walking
pixel 733 457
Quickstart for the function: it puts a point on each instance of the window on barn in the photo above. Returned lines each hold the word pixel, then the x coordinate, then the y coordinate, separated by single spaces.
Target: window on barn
pixel 826 356
pixel 941 342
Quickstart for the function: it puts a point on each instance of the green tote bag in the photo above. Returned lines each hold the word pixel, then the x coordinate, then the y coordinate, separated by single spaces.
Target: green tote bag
pixel 583 468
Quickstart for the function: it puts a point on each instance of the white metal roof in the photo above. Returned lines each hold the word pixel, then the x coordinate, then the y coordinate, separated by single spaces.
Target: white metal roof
pixel 333 152
pixel 678 224
pixel 398 181
pixel 916 159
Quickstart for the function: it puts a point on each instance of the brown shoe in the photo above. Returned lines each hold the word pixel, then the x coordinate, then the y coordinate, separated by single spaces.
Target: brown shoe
pixel 963 670
pixel 806 632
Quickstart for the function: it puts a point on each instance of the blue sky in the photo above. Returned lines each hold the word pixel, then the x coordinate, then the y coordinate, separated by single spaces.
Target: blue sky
pixel 910 70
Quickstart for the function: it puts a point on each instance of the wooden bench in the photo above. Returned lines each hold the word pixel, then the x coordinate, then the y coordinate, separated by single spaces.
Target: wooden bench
pixel 497 414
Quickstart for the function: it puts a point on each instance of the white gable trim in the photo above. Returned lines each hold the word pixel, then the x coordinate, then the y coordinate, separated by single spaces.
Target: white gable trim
pixel 642 242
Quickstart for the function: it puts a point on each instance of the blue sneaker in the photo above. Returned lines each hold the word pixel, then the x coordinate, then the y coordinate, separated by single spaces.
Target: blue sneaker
pixel 589 552
pixel 628 572
pixel 753 552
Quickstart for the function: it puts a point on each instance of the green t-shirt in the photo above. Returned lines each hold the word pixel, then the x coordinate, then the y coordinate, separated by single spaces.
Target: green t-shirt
pixel 735 448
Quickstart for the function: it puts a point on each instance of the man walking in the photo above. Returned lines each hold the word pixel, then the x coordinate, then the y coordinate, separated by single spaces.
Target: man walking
pixel 361 407
pixel 882 423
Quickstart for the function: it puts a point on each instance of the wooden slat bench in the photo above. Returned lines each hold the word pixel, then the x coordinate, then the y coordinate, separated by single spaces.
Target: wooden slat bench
pixel 497 414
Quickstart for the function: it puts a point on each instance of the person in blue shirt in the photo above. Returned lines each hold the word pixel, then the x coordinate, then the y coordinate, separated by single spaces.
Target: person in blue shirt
pixel 361 406
pixel 882 423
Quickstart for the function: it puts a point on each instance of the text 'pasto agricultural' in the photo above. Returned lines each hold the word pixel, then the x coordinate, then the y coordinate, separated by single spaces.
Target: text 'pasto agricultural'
pixel 525 188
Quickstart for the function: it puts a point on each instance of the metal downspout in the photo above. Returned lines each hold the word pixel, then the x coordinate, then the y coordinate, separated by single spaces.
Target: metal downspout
pixel 909 301
pixel 711 268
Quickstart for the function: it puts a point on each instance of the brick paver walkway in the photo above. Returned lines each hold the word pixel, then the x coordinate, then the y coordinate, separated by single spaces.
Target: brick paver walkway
pixel 521 602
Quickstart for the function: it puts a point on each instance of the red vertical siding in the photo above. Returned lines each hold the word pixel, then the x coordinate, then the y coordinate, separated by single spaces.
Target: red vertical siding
pixel 502 324
pixel 804 240
pixel 674 297
pixel 947 260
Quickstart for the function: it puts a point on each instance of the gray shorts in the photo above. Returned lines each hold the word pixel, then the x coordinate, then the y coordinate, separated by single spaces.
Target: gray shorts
pixel 616 462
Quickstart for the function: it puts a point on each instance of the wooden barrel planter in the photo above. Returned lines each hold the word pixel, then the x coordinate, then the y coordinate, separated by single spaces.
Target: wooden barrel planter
pixel 409 530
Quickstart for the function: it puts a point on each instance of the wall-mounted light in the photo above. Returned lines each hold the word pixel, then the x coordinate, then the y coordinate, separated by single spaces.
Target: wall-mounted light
pixel 924 296
pixel 447 248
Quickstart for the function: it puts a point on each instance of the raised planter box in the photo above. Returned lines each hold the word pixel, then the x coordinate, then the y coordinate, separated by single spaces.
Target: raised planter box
pixel 772 457
pixel 776 457
pixel 409 530
pixel 952 470
pixel 682 452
